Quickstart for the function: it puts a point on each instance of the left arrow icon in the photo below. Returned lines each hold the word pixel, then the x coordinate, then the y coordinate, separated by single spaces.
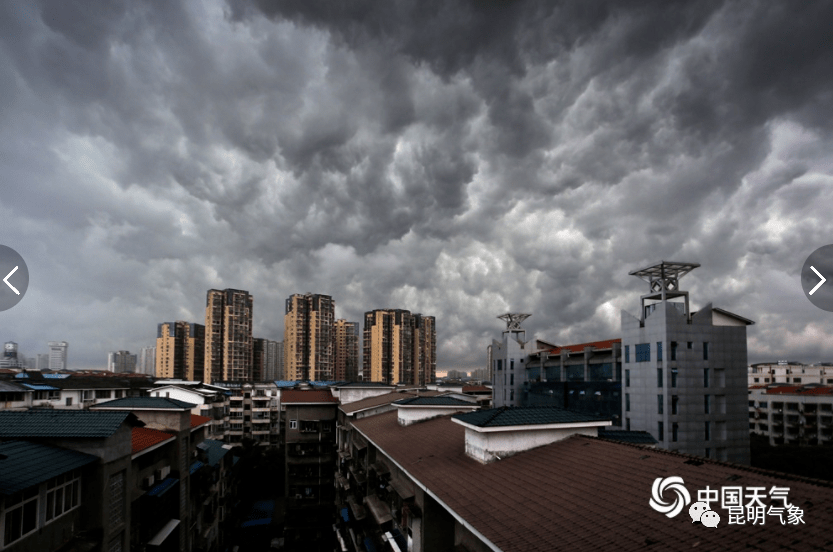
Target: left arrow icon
pixel 6 280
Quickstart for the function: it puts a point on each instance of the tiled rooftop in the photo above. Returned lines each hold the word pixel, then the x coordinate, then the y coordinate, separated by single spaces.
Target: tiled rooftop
pixel 160 403
pixel 197 421
pixel 379 400
pixel 314 396
pixel 579 347
pixel 476 389
pixel 435 401
pixel 585 493
pixel 144 438
pixel 62 423
pixel 214 449
pixel 23 464
pixel 526 415
pixel 635 437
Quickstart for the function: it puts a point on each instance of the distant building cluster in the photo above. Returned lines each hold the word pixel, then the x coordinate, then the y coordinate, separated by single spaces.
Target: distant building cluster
pixel 399 347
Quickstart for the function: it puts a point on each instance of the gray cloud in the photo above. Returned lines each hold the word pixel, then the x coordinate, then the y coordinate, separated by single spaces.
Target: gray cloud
pixel 458 158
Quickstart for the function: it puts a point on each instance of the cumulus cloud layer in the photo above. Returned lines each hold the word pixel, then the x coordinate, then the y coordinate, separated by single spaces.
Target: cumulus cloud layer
pixel 459 159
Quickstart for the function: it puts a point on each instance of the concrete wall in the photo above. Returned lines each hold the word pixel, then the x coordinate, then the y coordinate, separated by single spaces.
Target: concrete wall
pixel 347 395
pixel 489 446
pixel 412 414
pixel 727 390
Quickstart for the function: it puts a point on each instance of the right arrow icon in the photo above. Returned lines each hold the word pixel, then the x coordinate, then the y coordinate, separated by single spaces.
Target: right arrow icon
pixel 812 291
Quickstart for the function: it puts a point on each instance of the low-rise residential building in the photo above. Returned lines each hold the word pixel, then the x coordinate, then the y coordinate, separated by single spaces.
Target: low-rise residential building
pixel 308 417
pixel 131 474
pixel 253 413
pixel 210 401
pixel 538 478
pixel 764 373
pixel 792 414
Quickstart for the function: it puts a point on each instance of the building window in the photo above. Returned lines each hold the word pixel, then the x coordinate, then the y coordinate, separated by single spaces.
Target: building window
pixel 116 488
pixel 512 364
pixel 757 380
pixel 21 515
pixel 627 402
pixel 674 428
pixel 673 377
pixel 627 353
pixel 500 364
pixel 659 377
pixel 660 431
pixel 705 377
pixel 673 350
pixel 293 424
pixel 708 431
pixel 511 379
pixel 707 403
pixel 69 401
pixel 628 424
pixel 102 394
pixel 511 394
pixel 659 350
pixel 62 494
pixel 309 426
pixel 642 352
pixel 627 378
pixel 659 404
pixel 705 351
pixel 796 380
pixel 674 400
pixel 708 452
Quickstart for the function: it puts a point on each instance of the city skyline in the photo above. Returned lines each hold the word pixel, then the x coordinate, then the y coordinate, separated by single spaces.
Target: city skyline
pixel 468 161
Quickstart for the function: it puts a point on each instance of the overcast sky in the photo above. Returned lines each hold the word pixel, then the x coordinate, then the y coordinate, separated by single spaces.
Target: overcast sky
pixel 460 159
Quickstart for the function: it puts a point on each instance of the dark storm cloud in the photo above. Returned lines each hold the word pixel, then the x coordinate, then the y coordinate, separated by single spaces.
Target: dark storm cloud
pixel 460 158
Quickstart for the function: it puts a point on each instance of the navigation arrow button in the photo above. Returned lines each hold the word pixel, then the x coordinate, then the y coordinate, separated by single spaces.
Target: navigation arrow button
pixel 812 291
pixel 14 289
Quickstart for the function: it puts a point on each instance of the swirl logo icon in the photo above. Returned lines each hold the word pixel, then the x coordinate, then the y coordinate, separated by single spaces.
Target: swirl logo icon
pixel 672 484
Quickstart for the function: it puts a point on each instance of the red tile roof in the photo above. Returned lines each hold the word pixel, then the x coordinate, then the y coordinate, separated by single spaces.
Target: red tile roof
pixel 144 438
pixel 757 387
pixel 197 421
pixel 313 396
pixel 818 391
pixel 783 389
pixel 579 347
pixel 476 389
pixel 584 493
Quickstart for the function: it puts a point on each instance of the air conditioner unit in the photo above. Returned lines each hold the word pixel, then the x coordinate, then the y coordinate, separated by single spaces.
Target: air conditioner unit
pixel 148 481
pixel 162 473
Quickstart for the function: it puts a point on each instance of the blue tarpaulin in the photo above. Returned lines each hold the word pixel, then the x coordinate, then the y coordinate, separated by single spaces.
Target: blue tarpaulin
pixel 345 515
pixel 161 488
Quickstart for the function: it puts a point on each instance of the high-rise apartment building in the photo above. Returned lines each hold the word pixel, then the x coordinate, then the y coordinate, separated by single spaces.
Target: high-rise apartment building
pixel 228 335
pixel 42 362
pixel 399 347
pixel 685 372
pixel 58 355
pixel 180 350
pixel 346 350
pixel 274 361
pixel 121 361
pixel 259 354
pixel 309 344
pixel 147 360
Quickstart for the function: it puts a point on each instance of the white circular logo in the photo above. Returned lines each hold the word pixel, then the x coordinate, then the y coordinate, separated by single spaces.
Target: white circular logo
pixel 673 484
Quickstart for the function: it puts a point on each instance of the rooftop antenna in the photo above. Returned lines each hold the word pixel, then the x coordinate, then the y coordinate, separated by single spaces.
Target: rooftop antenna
pixel 664 282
